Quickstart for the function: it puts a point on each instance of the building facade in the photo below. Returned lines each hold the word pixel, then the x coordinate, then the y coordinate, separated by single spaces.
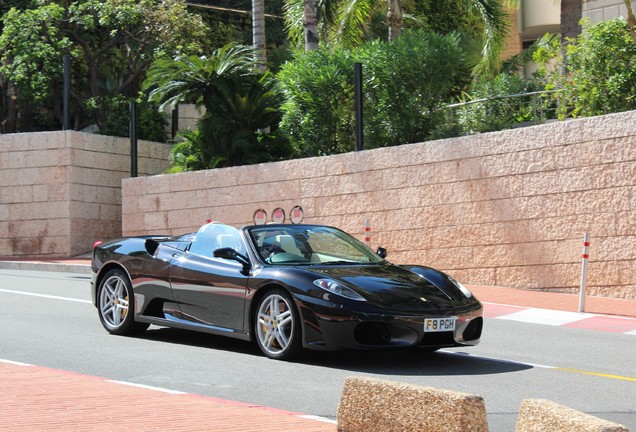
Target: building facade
pixel 534 18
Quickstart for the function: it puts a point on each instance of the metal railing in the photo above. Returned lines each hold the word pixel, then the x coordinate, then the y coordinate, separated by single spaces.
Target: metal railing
pixel 537 102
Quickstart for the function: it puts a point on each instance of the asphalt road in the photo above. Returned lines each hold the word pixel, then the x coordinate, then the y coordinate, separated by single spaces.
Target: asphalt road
pixel 46 319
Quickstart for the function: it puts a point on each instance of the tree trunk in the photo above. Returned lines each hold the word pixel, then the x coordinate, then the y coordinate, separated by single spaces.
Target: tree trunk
pixel 258 34
pixel 631 19
pixel 394 19
pixel 8 121
pixel 571 14
pixel 9 116
pixel 310 19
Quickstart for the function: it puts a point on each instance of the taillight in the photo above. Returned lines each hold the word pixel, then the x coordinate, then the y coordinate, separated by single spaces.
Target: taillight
pixel 97 243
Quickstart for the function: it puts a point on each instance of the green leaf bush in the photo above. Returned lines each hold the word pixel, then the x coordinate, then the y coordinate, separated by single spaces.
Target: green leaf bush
pixel 598 73
pixel 404 83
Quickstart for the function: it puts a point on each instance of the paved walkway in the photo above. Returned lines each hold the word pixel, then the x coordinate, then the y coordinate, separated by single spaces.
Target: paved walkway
pixel 35 398
pixel 39 399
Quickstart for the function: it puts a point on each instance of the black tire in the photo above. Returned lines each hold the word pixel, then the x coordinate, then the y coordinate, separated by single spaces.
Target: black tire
pixel 116 304
pixel 277 325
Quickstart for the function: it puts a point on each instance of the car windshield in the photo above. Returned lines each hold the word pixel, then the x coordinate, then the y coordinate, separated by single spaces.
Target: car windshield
pixel 214 236
pixel 309 244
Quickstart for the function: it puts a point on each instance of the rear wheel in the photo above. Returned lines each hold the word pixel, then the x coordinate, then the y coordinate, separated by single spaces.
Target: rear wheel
pixel 277 325
pixel 116 304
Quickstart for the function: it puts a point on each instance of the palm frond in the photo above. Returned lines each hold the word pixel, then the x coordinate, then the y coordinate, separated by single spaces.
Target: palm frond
pixel 495 31
pixel 351 19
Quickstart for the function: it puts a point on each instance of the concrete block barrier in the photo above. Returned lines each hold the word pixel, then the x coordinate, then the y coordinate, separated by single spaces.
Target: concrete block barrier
pixel 369 405
pixel 540 415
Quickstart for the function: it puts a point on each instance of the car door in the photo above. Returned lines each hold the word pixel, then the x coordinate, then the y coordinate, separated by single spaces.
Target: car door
pixel 210 291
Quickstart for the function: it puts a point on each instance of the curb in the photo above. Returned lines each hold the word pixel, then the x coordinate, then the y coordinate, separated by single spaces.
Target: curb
pixel 40 266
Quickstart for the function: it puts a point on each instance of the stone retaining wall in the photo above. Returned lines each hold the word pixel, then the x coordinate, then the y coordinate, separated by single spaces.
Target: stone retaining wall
pixel 61 191
pixel 507 208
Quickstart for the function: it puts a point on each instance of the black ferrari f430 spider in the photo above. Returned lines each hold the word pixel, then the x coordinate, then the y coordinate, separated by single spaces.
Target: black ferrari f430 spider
pixel 284 286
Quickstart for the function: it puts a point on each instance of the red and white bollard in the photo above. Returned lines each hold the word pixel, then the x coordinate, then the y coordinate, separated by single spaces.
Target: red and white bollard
pixel 585 256
pixel 367 233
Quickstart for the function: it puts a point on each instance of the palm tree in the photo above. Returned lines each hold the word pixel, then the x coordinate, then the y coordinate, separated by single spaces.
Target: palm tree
pixel 310 24
pixel 240 104
pixel 195 78
pixel 343 22
pixel 394 18
pixel 571 14
pixel 258 34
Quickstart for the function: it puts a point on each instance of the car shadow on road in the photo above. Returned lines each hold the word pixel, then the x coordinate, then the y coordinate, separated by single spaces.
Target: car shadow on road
pixel 401 362
pixel 414 362
pixel 197 339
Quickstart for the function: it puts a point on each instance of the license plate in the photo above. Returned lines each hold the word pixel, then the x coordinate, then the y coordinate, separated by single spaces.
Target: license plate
pixel 432 325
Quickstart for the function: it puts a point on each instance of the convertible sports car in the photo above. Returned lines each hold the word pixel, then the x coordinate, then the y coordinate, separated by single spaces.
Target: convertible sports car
pixel 287 287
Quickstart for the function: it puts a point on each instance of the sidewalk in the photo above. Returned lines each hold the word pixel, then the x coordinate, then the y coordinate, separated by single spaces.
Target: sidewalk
pixel 41 399
pixel 554 300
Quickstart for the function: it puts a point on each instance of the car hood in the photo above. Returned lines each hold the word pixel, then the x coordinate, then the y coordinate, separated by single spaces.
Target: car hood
pixel 399 288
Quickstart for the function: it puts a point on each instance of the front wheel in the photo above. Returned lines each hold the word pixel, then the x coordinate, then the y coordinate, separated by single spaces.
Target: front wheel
pixel 277 325
pixel 116 304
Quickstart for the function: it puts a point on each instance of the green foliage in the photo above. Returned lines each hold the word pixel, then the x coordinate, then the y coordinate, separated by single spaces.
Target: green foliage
pixel 110 43
pixel 404 84
pixel 151 123
pixel 350 23
pixel 194 78
pixel 498 111
pixel 32 59
pixel 601 70
pixel 318 107
pixel 187 153
pixel 241 104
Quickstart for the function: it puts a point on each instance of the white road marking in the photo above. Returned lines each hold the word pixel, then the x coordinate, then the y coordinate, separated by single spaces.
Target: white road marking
pixel 147 387
pixel 318 418
pixel 545 316
pixel 15 363
pixel 45 296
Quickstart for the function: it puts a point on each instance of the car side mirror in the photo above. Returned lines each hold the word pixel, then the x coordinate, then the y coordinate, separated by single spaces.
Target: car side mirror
pixel 229 253
pixel 382 253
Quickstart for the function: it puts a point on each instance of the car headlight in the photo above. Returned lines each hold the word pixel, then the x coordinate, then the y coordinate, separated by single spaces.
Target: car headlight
pixel 337 288
pixel 462 288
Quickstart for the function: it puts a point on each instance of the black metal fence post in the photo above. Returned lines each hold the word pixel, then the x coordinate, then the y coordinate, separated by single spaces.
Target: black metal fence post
pixel 175 121
pixel 133 139
pixel 67 93
pixel 357 80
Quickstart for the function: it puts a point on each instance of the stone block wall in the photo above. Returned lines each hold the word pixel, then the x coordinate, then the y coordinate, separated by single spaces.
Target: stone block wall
pixel 507 208
pixel 61 191
pixel 189 116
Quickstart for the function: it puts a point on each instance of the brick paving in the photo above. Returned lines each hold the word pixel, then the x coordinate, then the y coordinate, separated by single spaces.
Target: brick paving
pixel 35 398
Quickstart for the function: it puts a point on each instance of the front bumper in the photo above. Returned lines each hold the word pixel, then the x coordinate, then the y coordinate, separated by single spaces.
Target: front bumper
pixel 329 326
